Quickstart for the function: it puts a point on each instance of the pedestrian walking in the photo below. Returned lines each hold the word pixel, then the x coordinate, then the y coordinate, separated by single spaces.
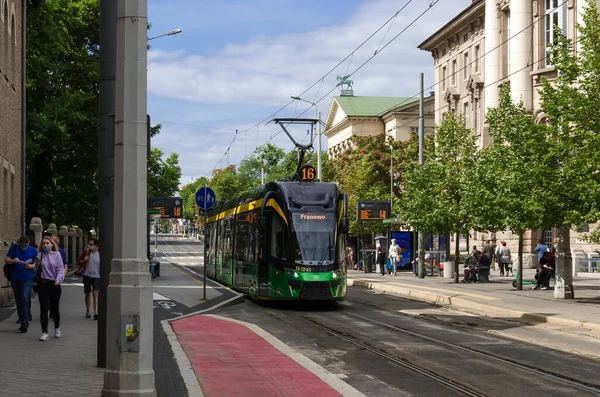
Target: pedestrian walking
pixel 381 258
pixel 21 259
pixel 63 256
pixel 91 277
pixel 395 255
pixel 489 251
pixel 50 276
pixel 504 256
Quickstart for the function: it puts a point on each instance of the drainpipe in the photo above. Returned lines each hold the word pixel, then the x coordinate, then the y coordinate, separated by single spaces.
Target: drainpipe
pixel 23 115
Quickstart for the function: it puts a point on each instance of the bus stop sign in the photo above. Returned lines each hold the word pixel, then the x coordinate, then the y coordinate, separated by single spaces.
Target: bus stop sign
pixel 205 198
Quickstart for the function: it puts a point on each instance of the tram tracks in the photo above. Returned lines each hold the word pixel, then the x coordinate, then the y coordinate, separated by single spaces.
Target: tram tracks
pixel 464 389
pixel 433 375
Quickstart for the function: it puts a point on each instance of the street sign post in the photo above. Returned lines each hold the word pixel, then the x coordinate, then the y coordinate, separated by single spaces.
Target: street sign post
pixel 206 199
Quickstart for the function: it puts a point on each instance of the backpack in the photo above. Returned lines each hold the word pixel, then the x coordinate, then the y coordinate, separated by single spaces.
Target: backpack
pixel 8 267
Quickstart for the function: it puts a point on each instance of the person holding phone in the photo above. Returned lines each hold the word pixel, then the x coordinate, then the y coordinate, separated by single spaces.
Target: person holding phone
pixel 22 257
pixel 51 272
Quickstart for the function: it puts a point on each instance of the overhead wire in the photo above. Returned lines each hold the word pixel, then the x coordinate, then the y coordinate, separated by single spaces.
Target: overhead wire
pixel 326 74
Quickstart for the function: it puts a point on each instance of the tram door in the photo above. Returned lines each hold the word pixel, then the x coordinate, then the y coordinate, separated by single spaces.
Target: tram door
pixel 265 259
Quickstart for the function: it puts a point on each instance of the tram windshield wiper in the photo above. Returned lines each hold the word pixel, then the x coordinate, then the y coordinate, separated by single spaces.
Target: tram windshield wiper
pixel 325 254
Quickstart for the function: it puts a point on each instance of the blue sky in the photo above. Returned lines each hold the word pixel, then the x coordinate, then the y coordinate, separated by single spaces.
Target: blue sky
pixel 238 61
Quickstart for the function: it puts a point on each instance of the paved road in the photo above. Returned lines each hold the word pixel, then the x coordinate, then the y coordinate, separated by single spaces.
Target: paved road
pixel 373 323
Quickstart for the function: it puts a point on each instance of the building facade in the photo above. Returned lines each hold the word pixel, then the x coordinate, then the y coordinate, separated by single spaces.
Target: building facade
pixel 495 42
pixel 351 115
pixel 11 89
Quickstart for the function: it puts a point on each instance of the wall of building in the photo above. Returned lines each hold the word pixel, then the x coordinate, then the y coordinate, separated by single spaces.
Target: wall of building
pixel 10 128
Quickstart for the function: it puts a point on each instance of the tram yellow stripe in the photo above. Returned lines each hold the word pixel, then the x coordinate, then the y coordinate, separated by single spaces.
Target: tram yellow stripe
pixel 240 209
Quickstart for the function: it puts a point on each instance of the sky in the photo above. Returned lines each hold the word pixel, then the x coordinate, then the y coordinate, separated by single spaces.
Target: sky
pixel 237 62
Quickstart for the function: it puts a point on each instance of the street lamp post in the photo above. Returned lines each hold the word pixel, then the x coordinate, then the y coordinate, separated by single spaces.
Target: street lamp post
pixel 297 98
pixel 169 33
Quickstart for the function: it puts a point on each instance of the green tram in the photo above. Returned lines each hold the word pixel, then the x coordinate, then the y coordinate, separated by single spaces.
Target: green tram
pixel 281 241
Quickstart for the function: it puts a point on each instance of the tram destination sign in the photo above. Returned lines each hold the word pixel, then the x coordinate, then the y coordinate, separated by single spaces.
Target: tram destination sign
pixel 169 207
pixel 372 210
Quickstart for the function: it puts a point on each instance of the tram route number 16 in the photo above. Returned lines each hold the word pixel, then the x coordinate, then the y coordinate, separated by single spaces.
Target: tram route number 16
pixel 307 173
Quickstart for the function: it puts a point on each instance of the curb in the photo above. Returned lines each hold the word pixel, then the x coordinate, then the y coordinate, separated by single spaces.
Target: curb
pixel 465 304
pixel 185 368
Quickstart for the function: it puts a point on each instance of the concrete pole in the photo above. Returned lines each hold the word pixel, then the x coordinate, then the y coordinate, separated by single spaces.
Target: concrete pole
pixel 520 52
pixel 563 286
pixel 492 54
pixel 129 370
pixel 421 238
pixel 106 162
pixel 319 145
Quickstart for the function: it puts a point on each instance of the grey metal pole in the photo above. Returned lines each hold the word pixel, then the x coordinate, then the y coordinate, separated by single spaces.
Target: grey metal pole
pixel 205 212
pixel 129 370
pixel 421 161
pixel 23 117
pixel 319 146
pixel 106 161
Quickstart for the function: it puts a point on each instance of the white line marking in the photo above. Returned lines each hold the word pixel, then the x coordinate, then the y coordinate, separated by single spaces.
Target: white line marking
pixel 159 297
pixel 331 379
pixel 185 368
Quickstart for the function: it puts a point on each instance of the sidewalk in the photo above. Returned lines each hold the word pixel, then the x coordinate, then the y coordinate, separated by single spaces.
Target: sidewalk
pixel 496 298
pixel 58 367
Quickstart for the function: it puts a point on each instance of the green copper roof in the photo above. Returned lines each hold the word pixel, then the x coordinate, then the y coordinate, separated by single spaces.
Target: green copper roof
pixel 371 105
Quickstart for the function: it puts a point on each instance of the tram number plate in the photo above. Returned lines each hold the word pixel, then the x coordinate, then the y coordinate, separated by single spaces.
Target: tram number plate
pixel 307 173
pixel 303 269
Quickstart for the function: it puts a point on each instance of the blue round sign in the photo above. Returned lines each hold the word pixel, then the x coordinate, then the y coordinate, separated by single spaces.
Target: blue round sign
pixel 205 198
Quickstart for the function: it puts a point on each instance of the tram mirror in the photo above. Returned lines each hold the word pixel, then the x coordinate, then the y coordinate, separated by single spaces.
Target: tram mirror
pixel 345 225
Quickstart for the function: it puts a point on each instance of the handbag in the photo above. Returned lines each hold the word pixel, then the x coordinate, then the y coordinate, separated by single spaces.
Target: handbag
pixel 388 264
pixel 8 267
pixel 82 264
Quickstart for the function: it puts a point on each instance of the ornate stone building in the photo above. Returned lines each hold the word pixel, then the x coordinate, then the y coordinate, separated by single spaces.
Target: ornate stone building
pixel 11 89
pixel 352 115
pixel 495 42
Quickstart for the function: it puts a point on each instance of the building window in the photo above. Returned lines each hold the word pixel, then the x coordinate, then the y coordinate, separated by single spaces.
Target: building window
pixel 5 39
pixel 467 67
pixel 454 72
pixel 13 51
pixel 465 37
pixel 476 60
pixel 553 15
pixel 477 116
pixel 444 52
pixel 443 79
pixel 466 113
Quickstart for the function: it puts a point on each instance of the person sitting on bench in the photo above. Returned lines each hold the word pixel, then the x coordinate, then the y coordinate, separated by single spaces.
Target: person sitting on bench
pixel 545 271
pixel 471 267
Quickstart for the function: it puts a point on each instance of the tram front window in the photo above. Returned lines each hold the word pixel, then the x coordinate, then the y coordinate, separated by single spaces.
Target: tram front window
pixel 313 239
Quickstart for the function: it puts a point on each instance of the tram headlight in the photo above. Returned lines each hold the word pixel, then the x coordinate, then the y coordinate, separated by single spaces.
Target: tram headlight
pixel 334 274
pixel 296 274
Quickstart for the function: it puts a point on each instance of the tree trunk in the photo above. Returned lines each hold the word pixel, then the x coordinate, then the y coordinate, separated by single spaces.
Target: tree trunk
pixel 520 265
pixel 456 257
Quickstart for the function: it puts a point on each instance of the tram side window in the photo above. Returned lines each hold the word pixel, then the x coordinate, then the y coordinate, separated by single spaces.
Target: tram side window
pixel 256 242
pixel 278 238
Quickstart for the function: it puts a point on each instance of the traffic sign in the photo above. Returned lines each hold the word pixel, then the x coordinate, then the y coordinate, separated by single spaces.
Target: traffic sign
pixel 205 198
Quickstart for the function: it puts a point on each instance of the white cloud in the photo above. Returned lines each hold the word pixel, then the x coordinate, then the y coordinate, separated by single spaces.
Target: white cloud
pixel 265 71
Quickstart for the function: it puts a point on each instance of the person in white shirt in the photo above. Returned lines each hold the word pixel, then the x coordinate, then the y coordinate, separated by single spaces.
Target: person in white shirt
pixel 395 255
pixel 91 277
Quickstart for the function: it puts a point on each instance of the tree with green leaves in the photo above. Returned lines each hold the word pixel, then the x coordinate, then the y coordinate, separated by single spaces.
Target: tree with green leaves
pixel 514 176
pixel 433 193
pixel 570 103
pixel 226 183
pixel 62 111
pixel 363 171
